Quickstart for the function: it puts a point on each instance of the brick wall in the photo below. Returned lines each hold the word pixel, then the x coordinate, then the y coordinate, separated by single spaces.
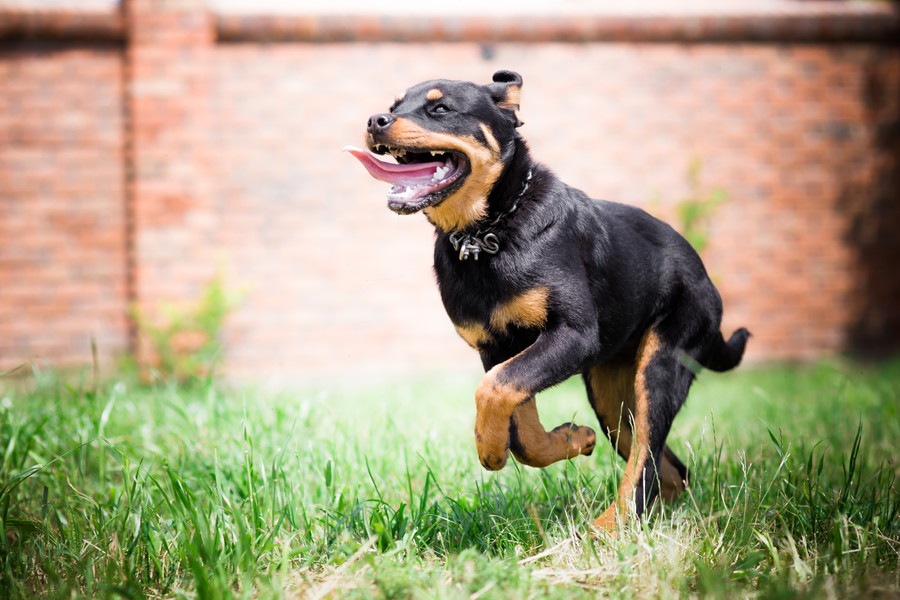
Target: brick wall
pixel 62 220
pixel 169 153
pixel 231 160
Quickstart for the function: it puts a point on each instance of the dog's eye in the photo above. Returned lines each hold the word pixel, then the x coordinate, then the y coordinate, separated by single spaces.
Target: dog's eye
pixel 440 109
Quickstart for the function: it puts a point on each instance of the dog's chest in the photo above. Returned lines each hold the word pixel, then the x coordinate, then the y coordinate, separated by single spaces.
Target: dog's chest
pixel 487 311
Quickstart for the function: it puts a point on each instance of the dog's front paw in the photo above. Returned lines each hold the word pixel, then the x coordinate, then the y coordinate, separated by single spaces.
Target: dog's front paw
pixel 494 405
pixel 493 462
pixel 492 444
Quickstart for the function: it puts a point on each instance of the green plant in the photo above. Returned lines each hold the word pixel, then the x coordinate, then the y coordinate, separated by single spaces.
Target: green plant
pixel 694 211
pixel 184 343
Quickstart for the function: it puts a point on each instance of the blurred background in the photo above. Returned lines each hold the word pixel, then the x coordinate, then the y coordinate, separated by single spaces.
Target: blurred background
pixel 172 186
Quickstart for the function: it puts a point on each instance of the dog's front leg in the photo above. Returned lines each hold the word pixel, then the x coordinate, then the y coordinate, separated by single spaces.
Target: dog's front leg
pixel 507 387
pixel 532 445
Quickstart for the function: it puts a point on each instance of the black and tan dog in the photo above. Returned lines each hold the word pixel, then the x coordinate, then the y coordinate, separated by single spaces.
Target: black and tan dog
pixel 545 283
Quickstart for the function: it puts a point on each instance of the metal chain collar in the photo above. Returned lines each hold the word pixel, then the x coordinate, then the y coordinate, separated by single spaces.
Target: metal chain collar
pixel 483 240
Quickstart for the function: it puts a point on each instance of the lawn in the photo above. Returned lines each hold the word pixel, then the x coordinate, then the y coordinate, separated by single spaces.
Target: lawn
pixel 119 490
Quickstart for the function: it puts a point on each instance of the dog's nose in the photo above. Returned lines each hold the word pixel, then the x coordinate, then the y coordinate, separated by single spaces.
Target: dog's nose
pixel 378 123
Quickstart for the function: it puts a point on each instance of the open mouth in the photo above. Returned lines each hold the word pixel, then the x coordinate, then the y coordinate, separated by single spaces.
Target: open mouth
pixel 420 178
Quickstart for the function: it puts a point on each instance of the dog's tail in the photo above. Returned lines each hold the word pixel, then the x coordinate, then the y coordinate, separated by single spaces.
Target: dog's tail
pixel 722 355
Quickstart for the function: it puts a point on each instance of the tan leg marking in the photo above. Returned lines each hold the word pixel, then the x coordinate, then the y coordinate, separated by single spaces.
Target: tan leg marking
pixel 612 389
pixel 535 447
pixel 619 510
pixel 494 404
pixel 671 485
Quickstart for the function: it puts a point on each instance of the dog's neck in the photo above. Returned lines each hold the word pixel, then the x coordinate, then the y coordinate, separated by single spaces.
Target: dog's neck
pixel 485 235
pixel 512 184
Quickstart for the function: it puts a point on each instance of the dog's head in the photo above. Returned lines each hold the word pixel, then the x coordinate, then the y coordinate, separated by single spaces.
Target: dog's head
pixel 451 141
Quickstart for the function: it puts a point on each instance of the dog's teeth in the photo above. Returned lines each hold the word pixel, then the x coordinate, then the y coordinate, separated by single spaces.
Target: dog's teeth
pixel 401 192
pixel 440 174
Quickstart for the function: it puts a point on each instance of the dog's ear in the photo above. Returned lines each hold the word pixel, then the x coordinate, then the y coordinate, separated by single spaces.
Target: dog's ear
pixel 506 92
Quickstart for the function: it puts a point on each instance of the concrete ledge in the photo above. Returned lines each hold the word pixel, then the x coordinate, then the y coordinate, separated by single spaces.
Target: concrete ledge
pixel 818 22
pixel 879 23
pixel 61 24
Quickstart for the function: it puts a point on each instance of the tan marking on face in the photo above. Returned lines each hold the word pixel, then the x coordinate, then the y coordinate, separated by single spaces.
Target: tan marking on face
pixel 528 309
pixel 491 139
pixel 434 94
pixel 474 334
pixel 469 202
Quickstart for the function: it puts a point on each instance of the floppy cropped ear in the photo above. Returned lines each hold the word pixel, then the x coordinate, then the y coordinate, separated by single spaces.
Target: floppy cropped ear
pixel 506 92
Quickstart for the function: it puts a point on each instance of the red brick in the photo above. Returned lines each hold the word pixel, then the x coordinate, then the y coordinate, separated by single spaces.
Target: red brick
pixel 233 152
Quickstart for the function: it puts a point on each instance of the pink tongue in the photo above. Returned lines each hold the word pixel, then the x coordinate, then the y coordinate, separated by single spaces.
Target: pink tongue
pixel 405 175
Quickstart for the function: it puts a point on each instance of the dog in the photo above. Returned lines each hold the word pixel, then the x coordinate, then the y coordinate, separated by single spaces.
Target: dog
pixel 546 283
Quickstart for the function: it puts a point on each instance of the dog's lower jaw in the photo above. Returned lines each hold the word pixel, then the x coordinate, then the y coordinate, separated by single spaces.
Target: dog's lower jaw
pixel 456 212
pixel 469 204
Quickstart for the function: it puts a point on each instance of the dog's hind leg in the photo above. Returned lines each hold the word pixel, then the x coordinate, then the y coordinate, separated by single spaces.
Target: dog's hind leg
pixel 610 390
pixel 649 392
pixel 674 476
pixel 611 393
pixel 532 445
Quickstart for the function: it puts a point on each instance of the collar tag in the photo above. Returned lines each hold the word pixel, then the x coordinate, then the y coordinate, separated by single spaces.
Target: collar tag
pixel 471 245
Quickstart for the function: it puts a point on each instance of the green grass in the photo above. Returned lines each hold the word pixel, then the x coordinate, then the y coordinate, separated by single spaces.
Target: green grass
pixel 124 491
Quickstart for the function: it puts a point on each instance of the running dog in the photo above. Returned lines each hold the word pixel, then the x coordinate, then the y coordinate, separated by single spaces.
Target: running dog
pixel 545 283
